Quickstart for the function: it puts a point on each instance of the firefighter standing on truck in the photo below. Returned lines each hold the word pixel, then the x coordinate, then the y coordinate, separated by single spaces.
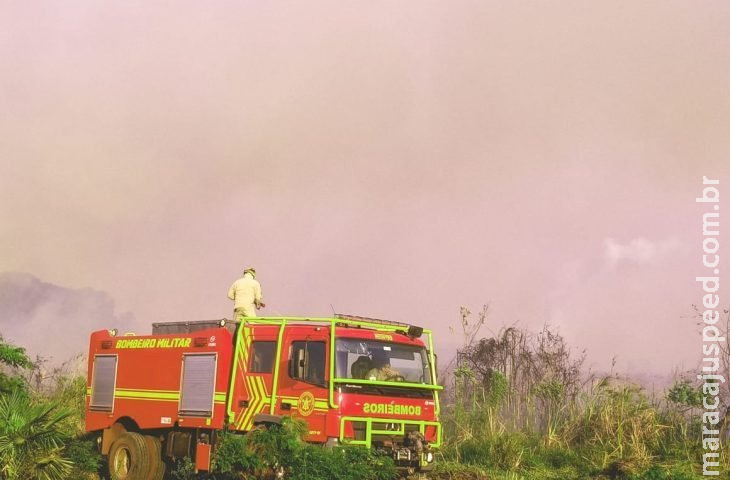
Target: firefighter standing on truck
pixel 246 294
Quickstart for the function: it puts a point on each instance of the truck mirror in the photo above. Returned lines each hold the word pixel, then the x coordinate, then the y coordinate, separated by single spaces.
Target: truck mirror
pixel 435 365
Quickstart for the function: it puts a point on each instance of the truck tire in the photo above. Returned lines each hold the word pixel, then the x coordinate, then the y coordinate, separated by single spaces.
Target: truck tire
pixel 157 465
pixel 129 458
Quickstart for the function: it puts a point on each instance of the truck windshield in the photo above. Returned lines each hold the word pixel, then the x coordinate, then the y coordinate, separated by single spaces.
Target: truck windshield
pixel 381 361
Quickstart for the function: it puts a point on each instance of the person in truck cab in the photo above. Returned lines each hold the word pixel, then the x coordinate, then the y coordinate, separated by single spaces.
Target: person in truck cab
pixel 361 367
pixel 246 295
pixel 382 371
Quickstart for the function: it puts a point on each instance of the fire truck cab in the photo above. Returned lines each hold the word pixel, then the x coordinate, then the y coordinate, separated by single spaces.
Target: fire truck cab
pixel 353 380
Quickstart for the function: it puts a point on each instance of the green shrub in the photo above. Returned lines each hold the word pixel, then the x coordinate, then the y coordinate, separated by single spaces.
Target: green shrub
pixel 85 457
pixel 504 451
pixel 233 456
pixel 259 453
pixel 340 463
pixel 31 439
pixel 497 389
pixel 658 472
pixel 558 457
pixel 683 393
pixel 13 358
pixel 458 471
pixel 183 469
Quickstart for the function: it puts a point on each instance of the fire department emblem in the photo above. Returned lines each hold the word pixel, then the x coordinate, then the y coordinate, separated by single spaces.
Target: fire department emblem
pixel 306 404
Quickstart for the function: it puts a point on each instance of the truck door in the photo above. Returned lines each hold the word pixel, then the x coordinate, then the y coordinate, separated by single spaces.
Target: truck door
pixel 254 378
pixel 303 377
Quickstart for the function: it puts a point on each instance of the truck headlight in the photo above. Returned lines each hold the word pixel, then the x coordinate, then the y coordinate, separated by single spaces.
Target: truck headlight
pixel 429 457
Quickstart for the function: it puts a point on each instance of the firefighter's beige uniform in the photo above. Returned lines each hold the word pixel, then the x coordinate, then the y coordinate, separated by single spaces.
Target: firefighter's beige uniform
pixel 246 293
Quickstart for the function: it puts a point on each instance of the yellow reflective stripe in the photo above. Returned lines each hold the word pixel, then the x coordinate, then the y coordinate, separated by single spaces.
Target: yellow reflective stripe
pixel 258 383
pixel 262 386
pixel 258 399
pixel 242 358
pixel 147 394
pixel 145 390
pixel 252 399
pixel 265 398
pixel 255 405
pixel 251 402
pixel 127 392
pixel 161 395
pixel 246 344
pixel 147 399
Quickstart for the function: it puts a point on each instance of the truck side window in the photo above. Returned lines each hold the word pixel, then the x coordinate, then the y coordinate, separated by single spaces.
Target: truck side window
pixel 262 358
pixel 307 362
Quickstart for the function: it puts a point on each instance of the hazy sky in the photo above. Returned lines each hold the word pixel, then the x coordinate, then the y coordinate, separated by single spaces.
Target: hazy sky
pixel 391 159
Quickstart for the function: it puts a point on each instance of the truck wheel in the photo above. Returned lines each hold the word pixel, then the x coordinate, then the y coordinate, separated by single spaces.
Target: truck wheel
pixel 157 465
pixel 129 458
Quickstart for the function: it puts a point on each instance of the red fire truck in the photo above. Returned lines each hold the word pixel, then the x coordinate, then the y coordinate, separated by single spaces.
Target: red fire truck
pixel 353 380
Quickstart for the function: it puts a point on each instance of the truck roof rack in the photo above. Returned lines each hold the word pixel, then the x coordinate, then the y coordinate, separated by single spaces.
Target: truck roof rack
pixel 378 321
pixel 167 328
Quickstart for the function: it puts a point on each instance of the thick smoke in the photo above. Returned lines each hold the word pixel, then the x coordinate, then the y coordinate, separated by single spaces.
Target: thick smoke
pixel 393 162
pixel 52 321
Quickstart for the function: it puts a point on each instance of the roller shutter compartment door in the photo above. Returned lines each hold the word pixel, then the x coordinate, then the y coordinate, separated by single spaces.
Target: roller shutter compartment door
pixel 103 383
pixel 198 384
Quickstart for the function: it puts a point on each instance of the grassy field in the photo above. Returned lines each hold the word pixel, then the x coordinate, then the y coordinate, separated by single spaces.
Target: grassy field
pixel 611 431
pixel 521 406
